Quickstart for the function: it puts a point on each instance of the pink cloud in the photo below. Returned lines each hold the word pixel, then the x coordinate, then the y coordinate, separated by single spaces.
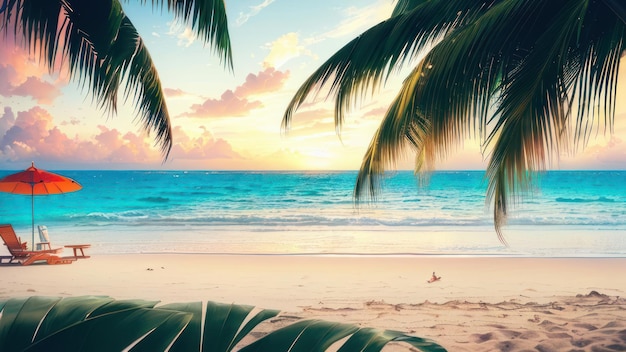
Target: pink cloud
pixel 43 92
pixel 237 103
pixel 377 113
pixel 602 156
pixel 269 80
pixel 312 121
pixel 228 105
pixel 172 93
pixel 20 75
pixel 31 135
pixel 204 147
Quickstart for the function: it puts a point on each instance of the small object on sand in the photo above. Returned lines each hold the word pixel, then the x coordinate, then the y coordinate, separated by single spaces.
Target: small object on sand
pixel 434 278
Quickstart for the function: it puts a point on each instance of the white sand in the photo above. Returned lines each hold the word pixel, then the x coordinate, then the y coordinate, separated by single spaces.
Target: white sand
pixel 481 304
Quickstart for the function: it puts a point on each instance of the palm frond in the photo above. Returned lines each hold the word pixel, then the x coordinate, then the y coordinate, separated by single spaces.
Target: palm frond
pixel 518 75
pixel 99 323
pixel 535 107
pixel 102 48
pixel 364 63
pixel 618 7
pixel 207 18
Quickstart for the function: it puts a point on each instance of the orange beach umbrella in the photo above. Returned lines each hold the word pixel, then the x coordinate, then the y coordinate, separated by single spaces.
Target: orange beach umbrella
pixel 34 181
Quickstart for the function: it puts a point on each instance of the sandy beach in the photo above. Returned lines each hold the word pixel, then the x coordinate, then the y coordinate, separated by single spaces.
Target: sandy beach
pixel 480 304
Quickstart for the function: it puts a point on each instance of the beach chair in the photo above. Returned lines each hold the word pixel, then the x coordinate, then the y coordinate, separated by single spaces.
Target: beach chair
pixel 20 255
pixel 44 238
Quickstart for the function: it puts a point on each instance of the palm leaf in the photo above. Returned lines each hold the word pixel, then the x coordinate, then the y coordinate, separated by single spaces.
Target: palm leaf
pixel 109 305
pixel 529 79
pixel 190 339
pixel 319 335
pixel 306 335
pixel 69 311
pixel 223 327
pixel 208 20
pixel 100 323
pixel 158 328
pixel 366 61
pixel 101 48
pixel 21 319
pixel 373 340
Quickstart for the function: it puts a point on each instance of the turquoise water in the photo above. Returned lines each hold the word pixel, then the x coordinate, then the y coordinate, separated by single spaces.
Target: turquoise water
pixel 570 213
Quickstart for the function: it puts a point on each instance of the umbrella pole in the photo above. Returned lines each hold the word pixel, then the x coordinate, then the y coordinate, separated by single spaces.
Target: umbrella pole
pixel 32 215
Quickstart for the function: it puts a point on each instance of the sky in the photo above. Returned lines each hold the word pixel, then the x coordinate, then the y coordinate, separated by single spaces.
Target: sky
pixel 228 119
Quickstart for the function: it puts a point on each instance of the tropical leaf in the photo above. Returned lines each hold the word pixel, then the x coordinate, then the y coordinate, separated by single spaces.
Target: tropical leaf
pixel 21 319
pixel 100 323
pixel 319 335
pixel 141 329
pixel 224 325
pixel 69 311
pixel 306 335
pixel 371 340
pixel 102 49
pixel 528 79
pixel 191 338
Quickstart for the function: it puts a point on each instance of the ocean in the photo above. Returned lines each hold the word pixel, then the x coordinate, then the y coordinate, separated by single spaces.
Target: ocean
pixel 568 214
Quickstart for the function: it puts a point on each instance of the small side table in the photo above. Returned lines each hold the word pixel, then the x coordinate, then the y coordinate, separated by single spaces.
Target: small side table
pixel 79 247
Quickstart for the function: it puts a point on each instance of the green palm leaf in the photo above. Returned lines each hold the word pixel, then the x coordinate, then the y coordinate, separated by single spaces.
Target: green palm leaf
pixel 373 340
pixel 529 79
pixel 145 329
pixel 102 48
pixel 223 328
pixel 20 321
pixel 69 311
pixel 306 335
pixel 319 335
pixel 98 323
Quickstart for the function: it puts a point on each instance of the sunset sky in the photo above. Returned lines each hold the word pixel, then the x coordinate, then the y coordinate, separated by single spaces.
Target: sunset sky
pixel 222 119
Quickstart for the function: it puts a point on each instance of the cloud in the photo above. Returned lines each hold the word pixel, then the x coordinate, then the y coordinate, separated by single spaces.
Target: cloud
pixel 7 120
pixel 237 103
pixel 269 80
pixel 359 19
pixel 18 59
pixel 22 76
pixel 283 49
pixel 254 10
pixel 185 35
pixel 43 92
pixel 203 147
pixel 609 155
pixel 308 122
pixel 377 113
pixel 173 93
pixel 228 105
pixel 32 135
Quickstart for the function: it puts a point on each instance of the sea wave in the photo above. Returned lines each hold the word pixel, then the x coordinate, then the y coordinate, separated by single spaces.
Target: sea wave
pixel 154 199
pixel 279 218
pixel 585 200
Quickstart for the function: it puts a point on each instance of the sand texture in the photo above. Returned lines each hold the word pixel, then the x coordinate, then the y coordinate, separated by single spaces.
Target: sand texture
pixel 480 304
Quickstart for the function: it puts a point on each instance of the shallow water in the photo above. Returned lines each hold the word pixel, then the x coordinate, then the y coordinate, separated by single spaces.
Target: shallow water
pixel 569 213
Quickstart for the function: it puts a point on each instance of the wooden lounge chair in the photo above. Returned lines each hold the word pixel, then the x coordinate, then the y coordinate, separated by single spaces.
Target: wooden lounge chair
pixel 20 255
pixel 44 237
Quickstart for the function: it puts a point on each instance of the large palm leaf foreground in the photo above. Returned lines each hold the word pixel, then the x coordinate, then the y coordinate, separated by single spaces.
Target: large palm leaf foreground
pixel 100 323
pixel 102 49
pixel 529 79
